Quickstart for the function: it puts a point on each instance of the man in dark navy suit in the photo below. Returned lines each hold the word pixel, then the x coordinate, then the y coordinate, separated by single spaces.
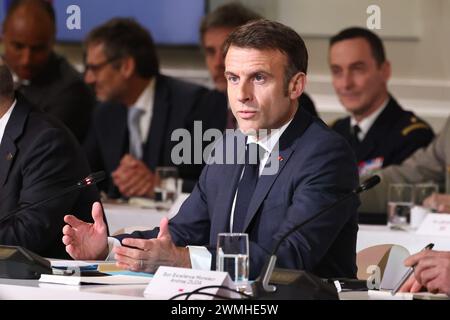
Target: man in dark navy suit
pixel 302 167
pixel 379 130
pixel 38 158
pixel 130 134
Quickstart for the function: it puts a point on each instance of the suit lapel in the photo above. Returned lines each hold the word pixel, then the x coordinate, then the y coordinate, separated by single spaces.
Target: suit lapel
pixel 13 130
pixel 296 128
pixel 156 135
pixel 265 183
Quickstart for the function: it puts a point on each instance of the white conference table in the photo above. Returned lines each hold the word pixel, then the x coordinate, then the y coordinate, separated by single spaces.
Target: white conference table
pixel 370 235
pixel 34 290
pixel 123 217
pixel 126 218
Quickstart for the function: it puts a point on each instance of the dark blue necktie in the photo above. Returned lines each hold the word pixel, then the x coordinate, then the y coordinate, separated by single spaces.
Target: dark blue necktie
pixel 246 186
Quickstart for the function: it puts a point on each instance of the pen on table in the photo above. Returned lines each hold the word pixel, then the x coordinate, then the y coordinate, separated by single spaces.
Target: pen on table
pixel 409 272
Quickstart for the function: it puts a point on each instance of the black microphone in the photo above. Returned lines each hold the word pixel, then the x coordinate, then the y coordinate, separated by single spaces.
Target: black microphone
pixel 91 179
pixel 261 286
pixel 368 184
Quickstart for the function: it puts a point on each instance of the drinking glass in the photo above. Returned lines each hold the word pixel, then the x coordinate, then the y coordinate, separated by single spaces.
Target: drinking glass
pixel 233 257
pixel 166 184
pixel 400 202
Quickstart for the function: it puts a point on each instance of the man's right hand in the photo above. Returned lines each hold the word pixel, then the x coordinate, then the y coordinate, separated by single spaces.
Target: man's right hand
pixel 86 241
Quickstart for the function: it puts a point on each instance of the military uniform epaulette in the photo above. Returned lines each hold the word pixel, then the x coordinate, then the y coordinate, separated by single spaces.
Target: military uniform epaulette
pixel 414 124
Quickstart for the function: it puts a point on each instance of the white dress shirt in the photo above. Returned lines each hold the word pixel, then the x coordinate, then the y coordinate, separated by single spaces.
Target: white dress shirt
pixel 366 123
pixel 4 120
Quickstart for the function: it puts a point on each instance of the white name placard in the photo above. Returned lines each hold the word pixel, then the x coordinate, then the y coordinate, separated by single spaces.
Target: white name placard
pixel 435 224
pixel 169 282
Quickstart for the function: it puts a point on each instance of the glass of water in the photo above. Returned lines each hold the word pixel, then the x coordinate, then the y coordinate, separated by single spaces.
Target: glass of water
pixel 233 257
pixel 166 184
pixel 400 202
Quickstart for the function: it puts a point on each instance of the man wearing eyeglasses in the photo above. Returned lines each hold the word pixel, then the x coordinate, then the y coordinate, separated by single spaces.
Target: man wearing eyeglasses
pixel 43 77
pixel 131 130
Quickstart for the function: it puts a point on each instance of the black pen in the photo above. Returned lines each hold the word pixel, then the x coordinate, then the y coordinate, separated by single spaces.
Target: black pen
pixel 409 272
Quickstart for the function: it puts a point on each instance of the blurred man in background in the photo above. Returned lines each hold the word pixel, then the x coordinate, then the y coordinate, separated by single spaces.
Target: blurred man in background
pixel 46 79
pixel 140 109
pixel 379 130
pixel 214 30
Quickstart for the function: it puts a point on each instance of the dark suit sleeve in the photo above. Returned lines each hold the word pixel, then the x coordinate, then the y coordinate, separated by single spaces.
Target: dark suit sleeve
pixel 191 222
pixel 47 167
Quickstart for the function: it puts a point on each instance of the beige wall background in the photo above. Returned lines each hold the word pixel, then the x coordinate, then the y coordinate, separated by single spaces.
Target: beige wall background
pixel 416 34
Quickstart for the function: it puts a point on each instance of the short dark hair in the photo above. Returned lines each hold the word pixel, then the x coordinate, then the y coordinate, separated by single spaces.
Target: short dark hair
pixel 122 37
pixel 6 83
pixel 230 15
pixel 375 43
pixel 45 5
pixel 265 35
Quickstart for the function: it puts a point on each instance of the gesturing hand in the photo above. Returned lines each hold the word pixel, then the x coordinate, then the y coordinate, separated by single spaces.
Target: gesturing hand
pixel 86 241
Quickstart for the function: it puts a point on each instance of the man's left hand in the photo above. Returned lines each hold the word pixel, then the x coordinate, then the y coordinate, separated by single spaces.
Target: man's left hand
pixel 148 255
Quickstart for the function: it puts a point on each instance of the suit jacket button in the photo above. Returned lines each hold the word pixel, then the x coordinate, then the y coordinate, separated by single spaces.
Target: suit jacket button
pixel 9 156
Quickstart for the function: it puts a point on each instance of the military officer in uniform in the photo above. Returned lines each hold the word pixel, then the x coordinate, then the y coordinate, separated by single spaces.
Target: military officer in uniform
pixel 379 130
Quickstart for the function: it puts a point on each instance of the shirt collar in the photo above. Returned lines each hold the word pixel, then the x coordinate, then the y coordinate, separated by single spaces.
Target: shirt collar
pixel 145 100
pixel 268 142
pixel 366 123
